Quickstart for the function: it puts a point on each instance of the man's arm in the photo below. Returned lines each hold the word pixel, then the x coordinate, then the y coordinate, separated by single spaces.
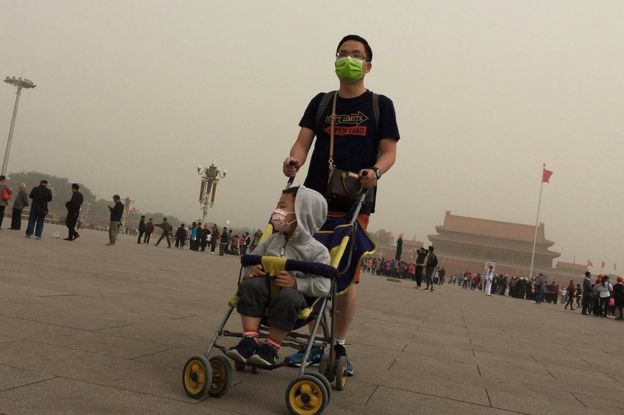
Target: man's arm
pixel 387 157
pixel 298 152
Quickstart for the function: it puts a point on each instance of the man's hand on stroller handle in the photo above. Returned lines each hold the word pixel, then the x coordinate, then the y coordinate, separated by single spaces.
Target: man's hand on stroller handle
pixel 285 279
pixel 291 167
pixel 368 178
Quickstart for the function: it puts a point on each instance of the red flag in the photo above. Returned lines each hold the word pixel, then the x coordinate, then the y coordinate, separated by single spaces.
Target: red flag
pixel 589 264
pixel 602 264
pixel 546 175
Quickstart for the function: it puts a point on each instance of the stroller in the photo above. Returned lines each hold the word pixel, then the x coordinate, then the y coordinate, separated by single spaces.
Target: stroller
pixel 310 392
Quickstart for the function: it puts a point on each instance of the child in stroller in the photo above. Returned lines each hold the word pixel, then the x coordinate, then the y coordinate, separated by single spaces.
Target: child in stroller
pixel 300 212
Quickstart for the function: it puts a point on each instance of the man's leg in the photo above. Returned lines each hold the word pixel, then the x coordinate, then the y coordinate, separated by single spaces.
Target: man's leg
pixel 160 239
pixel 168 241
pixel 115 226
pixel 1 214
pixel 31 223
pixel 39 221
pixel 345 311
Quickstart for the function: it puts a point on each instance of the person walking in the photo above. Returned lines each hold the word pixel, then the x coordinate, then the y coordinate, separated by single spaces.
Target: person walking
pixel 116 213
pixel 224 241
pixel 366 132
pixel 142 228
pixel 149 230
pixel 166 232
pixel 587 293
pixel 605 289
pixel 73 212
pixel 618 297
pixel 571 292
pixel 489 275
pixel 204 237
pixel 421 254
pixel 194 237
pixel 21 201
pixel 431 263
pixel 40 196
pixel 214 237
pixel 180 236
pixel 5 197
pixel 540 283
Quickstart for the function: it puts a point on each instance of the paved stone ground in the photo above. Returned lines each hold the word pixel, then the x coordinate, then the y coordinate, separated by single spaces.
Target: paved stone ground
pixel 90 329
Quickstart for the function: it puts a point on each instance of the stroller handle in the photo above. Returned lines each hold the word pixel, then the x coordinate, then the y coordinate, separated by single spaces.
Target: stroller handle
pixel 317 268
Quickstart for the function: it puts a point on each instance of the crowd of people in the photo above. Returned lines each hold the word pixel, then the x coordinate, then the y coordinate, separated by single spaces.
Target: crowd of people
pixel 197 237
pixel 597 296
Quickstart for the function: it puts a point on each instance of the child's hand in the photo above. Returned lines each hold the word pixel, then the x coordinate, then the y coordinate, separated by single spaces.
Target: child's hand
pixel 257 271
pixel 285 279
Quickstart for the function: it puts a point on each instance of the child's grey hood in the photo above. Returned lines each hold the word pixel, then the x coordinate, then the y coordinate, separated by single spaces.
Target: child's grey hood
pixel 311 212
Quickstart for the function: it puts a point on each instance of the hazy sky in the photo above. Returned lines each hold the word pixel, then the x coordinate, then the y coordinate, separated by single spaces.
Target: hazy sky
pixel 132 95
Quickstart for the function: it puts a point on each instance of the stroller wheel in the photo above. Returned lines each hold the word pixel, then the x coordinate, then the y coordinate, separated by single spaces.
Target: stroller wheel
pixel 196 376
pixel 240 366
pixel 221 376
pixel 341 373
pixel 306 395
pixel 325 369
pixel 325 383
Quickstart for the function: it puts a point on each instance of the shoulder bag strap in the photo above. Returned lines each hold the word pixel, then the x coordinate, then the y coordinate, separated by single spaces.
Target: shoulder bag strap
pixel 331 133
pixel 320 110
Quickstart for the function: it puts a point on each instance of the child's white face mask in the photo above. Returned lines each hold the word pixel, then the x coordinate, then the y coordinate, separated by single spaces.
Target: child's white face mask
pixel 278 219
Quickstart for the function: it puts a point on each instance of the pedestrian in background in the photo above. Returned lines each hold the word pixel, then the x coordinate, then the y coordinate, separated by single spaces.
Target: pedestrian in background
pixel 167 229
pixel 116 213
pixel 571 291
pixel 73 212
pixel 141 228
pixel 618 296
pixel 5 196
pixel 149 230
pixel 40 196
pixel 21 201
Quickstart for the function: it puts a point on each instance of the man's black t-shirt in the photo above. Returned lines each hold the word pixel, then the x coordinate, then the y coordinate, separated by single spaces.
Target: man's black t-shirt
pixel 356 136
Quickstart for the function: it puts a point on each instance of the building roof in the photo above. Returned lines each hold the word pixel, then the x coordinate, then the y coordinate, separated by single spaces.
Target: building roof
pixel 492 228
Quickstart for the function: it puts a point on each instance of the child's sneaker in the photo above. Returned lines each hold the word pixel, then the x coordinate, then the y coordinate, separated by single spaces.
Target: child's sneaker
pixel 243 350
pixel 341 351
pixel 314 358
pixel 265 355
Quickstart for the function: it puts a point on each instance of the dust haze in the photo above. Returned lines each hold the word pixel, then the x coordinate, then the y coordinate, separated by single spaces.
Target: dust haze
pixel 132 95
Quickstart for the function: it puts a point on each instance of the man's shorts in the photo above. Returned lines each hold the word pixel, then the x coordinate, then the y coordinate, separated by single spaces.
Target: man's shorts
pixel 363 221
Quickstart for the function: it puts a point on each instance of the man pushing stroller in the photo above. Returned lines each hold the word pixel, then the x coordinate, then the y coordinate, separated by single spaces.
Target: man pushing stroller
pixel 300 212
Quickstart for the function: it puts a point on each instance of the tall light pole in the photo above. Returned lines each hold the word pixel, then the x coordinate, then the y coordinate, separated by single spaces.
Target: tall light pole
pixel 19 83
pixel 210 177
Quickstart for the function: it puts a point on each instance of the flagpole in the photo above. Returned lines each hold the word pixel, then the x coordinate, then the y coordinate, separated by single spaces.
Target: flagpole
pixel 539 203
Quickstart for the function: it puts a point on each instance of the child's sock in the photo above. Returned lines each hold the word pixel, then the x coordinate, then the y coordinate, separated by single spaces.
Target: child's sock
pixel 253 334
pixel 341 342
pixel 276 344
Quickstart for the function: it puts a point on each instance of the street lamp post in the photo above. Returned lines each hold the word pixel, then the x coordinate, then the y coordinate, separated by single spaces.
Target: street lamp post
pixel 210 177
pixel 19 83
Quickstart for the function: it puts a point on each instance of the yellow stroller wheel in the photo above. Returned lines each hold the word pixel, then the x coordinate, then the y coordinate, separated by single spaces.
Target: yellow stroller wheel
pixel 306 395
pixel 197 376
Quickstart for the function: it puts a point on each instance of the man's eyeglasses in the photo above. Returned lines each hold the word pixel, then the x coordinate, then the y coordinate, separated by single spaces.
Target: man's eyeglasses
pixel 354 55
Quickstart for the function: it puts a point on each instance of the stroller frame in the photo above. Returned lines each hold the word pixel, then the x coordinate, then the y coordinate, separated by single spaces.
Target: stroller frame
pixel 309 392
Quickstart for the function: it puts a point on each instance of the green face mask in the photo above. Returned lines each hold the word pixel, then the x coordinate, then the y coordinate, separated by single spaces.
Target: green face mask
pixel 349 69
